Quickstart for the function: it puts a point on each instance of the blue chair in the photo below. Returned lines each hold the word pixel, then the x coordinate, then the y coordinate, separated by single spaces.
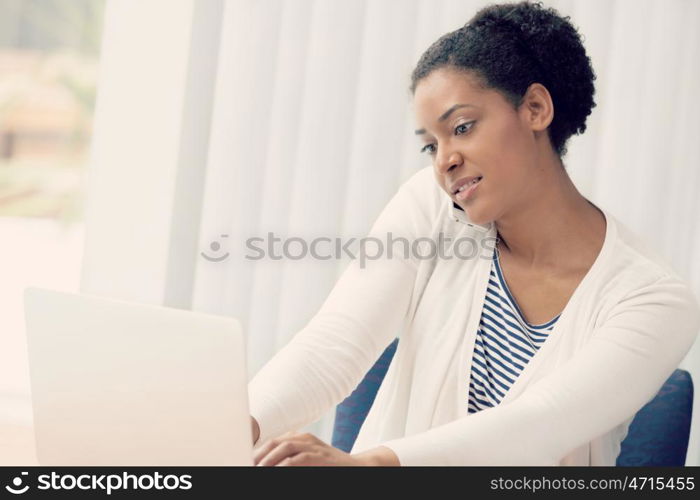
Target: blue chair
pixel 658 435
pixel 351 413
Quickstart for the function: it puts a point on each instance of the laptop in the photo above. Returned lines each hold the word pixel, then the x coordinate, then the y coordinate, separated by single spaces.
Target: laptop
pixel 120 383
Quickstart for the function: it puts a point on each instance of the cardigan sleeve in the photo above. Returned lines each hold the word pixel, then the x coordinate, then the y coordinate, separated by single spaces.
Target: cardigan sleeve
pixel 621 368
pixel 327 359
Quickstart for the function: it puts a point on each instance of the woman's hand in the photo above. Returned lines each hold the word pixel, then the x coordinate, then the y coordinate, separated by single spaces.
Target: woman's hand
pixel 295 449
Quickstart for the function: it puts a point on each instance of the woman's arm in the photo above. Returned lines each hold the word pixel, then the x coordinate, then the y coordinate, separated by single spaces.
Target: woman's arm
pixel 326 360
pixel 619 370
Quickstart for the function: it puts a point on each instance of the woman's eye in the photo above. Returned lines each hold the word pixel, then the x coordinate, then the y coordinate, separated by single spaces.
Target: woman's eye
pixel 427 149
pixel 459 130
pixel 463 128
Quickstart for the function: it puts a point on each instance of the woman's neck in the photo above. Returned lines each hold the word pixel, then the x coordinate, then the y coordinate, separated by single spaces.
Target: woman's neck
pixel 555 226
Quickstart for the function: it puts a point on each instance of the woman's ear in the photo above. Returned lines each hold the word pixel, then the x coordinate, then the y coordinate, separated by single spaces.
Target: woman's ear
pixel 537 108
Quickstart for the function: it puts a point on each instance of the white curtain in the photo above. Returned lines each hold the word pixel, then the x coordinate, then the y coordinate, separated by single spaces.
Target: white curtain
pixel 311 133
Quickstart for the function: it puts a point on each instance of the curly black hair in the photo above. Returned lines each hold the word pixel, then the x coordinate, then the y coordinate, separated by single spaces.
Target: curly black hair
pixel 510 46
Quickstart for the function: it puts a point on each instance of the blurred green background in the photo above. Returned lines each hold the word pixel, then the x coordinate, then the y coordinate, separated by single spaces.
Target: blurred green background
pixel 49 55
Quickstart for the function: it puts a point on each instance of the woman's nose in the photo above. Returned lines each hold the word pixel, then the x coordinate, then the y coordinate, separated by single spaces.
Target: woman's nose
pixel 447 162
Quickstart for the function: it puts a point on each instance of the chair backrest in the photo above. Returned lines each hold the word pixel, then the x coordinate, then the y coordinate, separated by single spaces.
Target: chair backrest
pixel 658 435
pixel 351 413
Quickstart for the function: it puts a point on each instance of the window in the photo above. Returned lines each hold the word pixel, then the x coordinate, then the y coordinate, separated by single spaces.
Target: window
pixel 49 54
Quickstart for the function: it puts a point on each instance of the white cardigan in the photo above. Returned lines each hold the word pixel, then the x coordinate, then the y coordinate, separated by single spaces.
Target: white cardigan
pixel 625 329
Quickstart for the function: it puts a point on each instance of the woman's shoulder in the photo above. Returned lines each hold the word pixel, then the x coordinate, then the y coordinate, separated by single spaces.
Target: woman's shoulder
pixel 635 267
pixel 637 283
pixel 637 255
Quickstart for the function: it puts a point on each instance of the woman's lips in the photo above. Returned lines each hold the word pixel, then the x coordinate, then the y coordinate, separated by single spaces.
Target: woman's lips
pixel 467 191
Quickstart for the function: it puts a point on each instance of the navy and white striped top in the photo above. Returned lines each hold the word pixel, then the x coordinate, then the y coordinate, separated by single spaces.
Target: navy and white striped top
pixel 505 342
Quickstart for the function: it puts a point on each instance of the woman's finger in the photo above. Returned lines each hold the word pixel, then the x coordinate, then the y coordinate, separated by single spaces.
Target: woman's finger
pixel 269 445
pixel 300 459
pixel 283 450
pixel 264 450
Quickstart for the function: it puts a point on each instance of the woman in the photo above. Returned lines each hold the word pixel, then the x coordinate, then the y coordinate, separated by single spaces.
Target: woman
pixel 537 351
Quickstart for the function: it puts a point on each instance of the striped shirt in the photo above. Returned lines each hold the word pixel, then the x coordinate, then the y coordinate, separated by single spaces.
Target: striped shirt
pixel 505 342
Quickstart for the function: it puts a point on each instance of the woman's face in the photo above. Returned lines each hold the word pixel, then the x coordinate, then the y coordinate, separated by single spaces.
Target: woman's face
pixel 473 133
